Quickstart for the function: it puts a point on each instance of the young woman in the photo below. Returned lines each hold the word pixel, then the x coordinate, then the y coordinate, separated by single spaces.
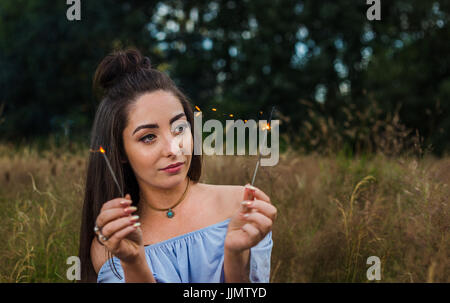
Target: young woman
pixel 168 227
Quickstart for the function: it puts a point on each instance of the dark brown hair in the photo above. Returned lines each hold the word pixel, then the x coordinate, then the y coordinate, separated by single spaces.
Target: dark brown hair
pixel 120 79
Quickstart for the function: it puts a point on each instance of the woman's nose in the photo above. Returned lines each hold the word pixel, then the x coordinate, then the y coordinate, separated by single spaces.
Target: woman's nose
pixel 172 146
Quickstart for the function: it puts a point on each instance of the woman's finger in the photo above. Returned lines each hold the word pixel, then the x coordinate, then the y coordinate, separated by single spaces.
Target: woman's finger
pixel 263 207
pixel 256 193
pixel 254 233
pixel 260 221
pixel 114 226
pixel 109 215
pixel 118 202
pixel 120 235
pixel 248 193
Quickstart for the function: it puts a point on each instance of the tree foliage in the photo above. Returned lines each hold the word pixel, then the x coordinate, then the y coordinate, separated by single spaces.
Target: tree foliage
pixel 240 57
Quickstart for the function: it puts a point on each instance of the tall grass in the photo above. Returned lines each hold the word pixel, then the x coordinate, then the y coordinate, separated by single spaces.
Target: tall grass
pixel 40 202
pixel 334 212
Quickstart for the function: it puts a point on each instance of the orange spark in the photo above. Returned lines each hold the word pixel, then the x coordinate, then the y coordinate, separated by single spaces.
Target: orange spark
pixel 231 115
pixel 264 127
pixel 213 109
pixel 102 150
pixel 197 108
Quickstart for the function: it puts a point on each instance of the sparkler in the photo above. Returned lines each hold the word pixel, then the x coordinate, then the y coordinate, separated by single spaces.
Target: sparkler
pixel 267 127
pixel 103 152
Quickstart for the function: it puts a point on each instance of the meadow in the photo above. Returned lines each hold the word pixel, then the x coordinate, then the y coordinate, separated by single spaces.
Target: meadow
pixel 334 211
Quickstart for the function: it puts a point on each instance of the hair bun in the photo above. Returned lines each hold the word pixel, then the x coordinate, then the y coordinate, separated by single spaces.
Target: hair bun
pixel 116 65
pixel 146 63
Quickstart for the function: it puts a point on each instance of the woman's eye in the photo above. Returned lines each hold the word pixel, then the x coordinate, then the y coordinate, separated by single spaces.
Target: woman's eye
pixel 147 139
pixel 180 128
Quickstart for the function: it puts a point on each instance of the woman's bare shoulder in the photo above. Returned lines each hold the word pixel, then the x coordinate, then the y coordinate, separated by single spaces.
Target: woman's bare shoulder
pixel 228 197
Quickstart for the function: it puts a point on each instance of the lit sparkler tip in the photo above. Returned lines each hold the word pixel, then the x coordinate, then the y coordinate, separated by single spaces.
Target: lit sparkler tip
pixel 102 150
pixel 197 108
pixel 231 115
pixel 213 109
pixel 264 127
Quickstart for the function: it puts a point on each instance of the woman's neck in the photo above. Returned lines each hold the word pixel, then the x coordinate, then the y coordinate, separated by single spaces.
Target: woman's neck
pixel 160 198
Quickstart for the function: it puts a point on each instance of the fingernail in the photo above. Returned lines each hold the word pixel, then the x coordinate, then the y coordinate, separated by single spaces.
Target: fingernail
pixel 137 224
pixel 245 215
pixel 125 202
pixel 250 187
pixel 135 218
pixel 246 203
pixel 130 209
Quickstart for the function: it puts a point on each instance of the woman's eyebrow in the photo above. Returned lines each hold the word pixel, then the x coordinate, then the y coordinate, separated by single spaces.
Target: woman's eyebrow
pixel 176 117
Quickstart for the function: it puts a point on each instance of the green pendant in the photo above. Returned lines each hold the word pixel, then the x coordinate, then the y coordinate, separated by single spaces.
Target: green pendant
pixel 170 213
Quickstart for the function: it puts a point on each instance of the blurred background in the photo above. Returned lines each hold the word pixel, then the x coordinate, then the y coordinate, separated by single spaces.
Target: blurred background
pixel 362 104
pixel 319 62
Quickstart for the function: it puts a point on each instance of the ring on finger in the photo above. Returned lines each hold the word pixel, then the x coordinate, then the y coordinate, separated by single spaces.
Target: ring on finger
pixel 98 240
pixel 102 237
pixel 97 229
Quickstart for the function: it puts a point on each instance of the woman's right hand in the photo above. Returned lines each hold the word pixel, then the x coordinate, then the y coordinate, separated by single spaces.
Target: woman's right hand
pixel 124 236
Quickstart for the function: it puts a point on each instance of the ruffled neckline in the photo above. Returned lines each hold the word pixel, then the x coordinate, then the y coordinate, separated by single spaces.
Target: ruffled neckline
pixel 218 224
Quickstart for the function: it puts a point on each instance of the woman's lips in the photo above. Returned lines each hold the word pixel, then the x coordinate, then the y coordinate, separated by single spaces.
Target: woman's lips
pixel 174 169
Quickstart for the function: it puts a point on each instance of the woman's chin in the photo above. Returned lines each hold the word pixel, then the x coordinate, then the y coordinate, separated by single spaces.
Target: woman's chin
pixel 173 180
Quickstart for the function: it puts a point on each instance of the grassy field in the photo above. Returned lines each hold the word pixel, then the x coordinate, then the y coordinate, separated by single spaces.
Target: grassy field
pixel 333 213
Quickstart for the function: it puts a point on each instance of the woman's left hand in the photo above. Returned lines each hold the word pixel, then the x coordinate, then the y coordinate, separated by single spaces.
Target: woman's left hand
pixel 252 222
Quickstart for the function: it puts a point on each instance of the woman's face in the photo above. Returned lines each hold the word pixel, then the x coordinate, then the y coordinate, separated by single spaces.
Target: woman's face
pixel 158 135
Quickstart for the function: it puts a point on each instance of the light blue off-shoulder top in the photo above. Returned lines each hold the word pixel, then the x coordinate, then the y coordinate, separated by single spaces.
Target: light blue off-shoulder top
pixel 194 257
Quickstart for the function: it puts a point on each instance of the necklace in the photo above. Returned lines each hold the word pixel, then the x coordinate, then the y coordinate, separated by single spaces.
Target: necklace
pixel 169 210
